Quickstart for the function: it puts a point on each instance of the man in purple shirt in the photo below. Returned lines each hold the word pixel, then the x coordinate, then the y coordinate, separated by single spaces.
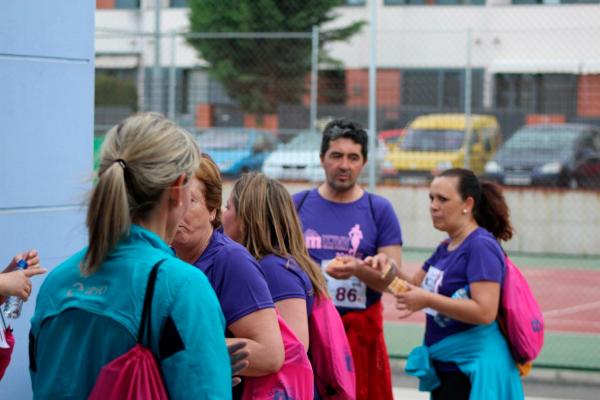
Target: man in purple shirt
pixel 341 220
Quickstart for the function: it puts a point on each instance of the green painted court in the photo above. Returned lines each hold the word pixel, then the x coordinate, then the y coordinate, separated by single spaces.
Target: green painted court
pixel 566 288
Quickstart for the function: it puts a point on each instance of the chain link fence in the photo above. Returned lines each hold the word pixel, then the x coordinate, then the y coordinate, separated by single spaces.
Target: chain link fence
pixel 517 103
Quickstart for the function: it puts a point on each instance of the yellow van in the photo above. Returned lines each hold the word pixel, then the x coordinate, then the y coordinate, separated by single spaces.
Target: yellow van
pixel 436 142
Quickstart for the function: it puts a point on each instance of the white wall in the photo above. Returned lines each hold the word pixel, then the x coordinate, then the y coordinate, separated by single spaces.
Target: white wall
pixel 545 221
pixel 435 36
pixel 506 38
pixel 46 114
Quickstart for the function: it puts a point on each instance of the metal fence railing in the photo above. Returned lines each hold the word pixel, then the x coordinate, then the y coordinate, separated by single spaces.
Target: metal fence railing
pixel 479 103
pixel 445 97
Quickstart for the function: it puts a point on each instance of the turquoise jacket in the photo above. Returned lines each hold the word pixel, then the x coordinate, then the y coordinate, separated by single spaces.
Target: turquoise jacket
pixel 82 323
pixel 481 353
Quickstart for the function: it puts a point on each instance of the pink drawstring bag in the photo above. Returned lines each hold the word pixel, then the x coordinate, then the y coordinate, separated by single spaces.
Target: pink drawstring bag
pixel 330 352
pixel 136 374
pixel 6 353
pixel 520 316
pixel 293 381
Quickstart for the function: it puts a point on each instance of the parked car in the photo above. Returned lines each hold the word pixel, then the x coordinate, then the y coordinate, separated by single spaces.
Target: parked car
pixel 237 150
pixel 391 137
pixel 436 142
pixel 566 155
pixel 297 160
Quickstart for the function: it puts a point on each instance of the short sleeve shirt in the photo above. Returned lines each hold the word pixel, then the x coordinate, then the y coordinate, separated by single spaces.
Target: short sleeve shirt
pixel 357 229
pixel 236 277
pixel 287 280
pixel 449 273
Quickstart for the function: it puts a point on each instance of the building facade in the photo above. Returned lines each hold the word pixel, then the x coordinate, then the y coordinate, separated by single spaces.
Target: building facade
pixel 522 60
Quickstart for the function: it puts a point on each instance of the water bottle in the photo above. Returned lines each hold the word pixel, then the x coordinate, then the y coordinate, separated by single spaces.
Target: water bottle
pixel 462 293
pixel 12 306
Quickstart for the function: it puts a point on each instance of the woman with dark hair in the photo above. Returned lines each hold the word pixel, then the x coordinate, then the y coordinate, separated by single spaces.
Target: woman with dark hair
pixel 458 288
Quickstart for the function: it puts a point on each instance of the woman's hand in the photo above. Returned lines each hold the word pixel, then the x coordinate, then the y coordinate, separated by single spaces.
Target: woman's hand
pixel 415 299
pixel 238 356
pixel 345 267
pixel 14 281
pixel 31 258
pixel 379 262
pixel 17 283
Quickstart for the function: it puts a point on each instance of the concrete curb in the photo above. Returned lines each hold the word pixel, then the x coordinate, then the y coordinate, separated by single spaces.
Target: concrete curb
pixel 537 375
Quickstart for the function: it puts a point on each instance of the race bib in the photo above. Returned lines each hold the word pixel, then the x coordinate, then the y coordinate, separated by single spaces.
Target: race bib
pixel 431 283
pixel 348 293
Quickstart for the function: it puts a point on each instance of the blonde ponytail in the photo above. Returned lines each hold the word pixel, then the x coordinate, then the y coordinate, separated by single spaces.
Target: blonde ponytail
pixel 139 159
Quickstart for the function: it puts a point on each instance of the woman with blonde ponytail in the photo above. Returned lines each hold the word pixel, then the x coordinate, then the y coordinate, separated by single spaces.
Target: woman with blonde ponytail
pixel 89 308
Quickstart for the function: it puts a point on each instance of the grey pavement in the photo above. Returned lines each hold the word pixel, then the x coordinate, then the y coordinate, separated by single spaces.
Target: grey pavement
pixel 541 384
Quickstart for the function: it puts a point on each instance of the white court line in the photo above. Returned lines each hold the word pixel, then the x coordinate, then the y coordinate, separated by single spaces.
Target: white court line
pixel 401 393
pixel 587 324
pixel 573 309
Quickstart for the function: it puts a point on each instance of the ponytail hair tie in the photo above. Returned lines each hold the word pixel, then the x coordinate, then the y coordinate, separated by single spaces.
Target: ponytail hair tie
pixel 121 162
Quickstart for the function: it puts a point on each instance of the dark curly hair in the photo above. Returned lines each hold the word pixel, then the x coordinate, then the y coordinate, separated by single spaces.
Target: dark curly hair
pixel 490 209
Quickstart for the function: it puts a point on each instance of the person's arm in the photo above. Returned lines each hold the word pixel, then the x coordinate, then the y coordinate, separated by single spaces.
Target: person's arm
pixel 372 277
pixel 15 282
pixel 194 359
pixel 260 330
pixel 293 312
pixel 481 308
pixel 363 270
pixel 31 257
pixel 380 264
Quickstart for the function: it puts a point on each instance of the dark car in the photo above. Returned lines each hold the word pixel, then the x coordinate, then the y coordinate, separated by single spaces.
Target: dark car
pixel 559 155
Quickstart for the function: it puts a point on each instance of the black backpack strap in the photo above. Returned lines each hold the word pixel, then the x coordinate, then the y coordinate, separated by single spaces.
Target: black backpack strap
pixel 372 208
pixel 145 326
pixel 302 200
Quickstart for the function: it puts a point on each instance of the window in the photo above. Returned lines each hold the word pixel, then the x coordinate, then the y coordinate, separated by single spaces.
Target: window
pixel 332 87
pixel 178 3
pixel 553 2
pixel 443 89
pixel 537 93
pixel 420 88
pixel 354 2
pixel 433 2
pixel 127 3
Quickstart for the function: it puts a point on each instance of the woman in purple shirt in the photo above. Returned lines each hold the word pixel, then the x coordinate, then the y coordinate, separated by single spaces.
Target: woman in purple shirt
pixel 458 287
pixel 236 277
pixel 261 215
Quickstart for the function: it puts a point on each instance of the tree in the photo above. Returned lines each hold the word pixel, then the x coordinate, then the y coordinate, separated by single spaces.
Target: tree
pixel 259 74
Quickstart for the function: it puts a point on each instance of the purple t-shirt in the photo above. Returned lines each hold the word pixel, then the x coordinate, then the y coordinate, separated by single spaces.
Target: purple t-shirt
pixel 236 277
pixel 449 273
pixel 358 229
pixel 287 280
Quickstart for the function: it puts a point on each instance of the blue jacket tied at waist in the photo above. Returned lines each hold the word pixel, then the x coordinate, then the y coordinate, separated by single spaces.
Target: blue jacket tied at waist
pixel 481 353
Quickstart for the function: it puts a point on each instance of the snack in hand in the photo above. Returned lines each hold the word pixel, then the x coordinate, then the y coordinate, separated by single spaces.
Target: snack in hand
pixel 398 286
pixel 333 264
pixel 386 269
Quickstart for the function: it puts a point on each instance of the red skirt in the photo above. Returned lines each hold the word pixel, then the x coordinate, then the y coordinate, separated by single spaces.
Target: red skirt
pixel 371 361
